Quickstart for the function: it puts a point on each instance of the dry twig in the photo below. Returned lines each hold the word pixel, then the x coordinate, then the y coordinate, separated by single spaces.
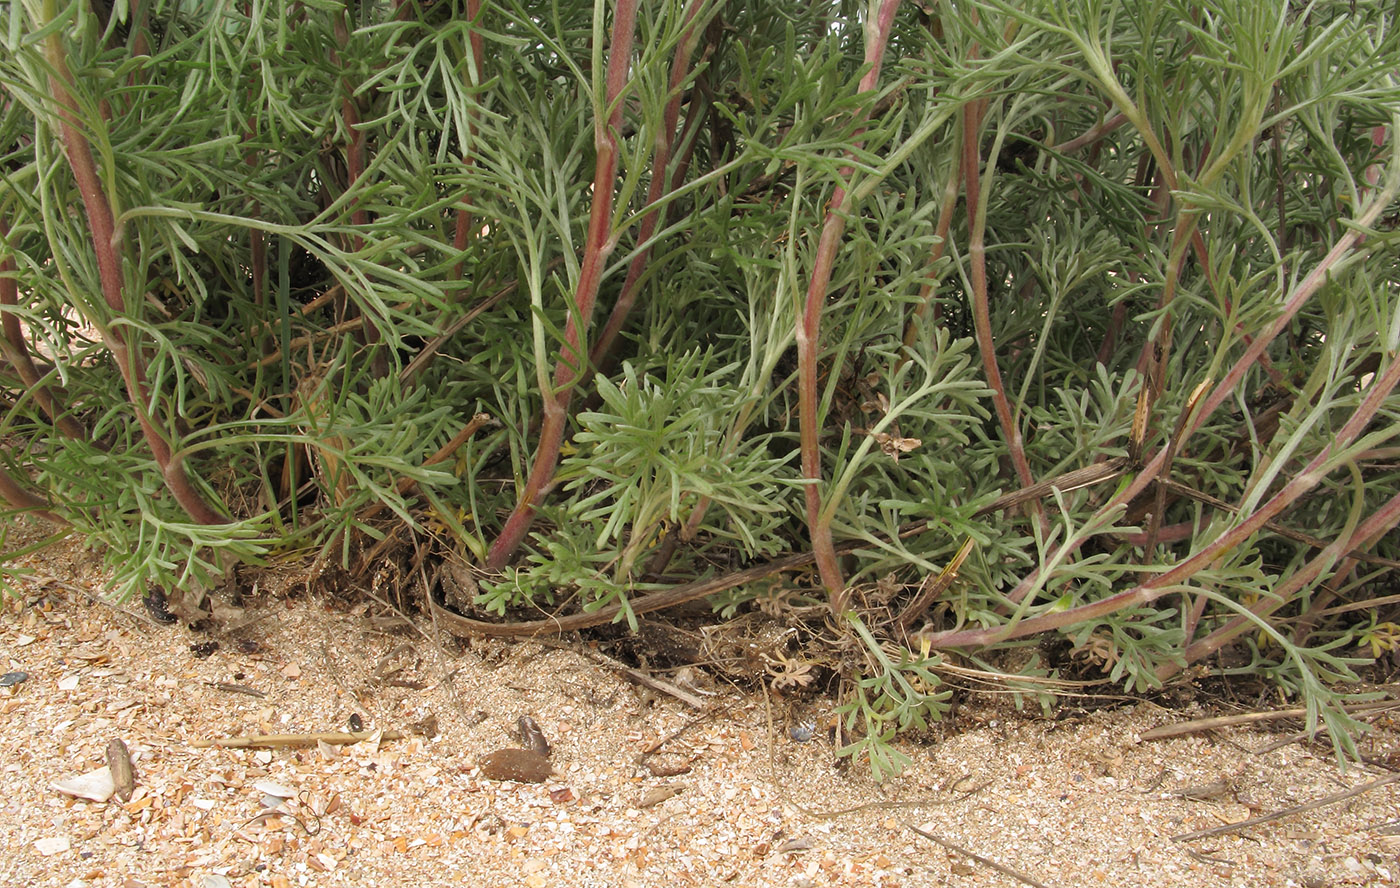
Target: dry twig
pixel 1201 725
pixel 1287 812
pixel 292 741
pixel 232 688
pixel 1004 870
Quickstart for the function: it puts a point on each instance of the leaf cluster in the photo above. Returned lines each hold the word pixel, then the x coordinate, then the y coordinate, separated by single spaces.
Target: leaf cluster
pixel 262 266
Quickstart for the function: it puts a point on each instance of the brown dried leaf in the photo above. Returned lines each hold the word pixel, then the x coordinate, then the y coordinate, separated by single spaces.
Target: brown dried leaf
pixel 894 445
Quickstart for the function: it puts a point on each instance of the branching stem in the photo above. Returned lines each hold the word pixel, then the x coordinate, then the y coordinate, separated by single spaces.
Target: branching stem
pixel 600 244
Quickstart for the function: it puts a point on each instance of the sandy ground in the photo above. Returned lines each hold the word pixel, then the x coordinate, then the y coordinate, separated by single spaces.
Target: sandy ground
pixel 726 796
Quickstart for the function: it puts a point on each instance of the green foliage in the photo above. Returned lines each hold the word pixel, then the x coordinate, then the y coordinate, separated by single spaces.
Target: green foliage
pixel 655 448
pixel 260 264
pixel 898 692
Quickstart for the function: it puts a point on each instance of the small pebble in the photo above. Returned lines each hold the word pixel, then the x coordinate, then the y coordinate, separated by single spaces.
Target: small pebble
pixel 10 679
pixel 119 764
pixel 522 765
pixel 803 732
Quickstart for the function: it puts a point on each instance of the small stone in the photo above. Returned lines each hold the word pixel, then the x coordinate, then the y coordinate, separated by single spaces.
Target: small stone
pixel 792 846
pixel 425 727
pixel 522 765
pixel 119 764
pixel 532 735
pixel 658 794
pixel 10 679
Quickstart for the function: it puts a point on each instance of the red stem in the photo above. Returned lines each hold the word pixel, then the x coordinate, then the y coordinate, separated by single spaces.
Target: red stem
pixel 1093 135
pixel 981 308
pixel 661 159
pixel 1304 291
pixel 809 332
pixel 355 148
pixel 109 268
pixel 599 245
pixel 1380 522
pixel 22 499
pixel 16 351
pixel 1172 579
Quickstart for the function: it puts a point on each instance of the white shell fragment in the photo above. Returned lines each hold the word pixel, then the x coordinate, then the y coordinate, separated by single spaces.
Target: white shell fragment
pixel 272 788
pixel 97 786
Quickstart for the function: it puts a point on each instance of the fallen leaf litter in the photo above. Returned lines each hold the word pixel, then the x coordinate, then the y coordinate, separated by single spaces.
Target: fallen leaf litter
pixel 1062 803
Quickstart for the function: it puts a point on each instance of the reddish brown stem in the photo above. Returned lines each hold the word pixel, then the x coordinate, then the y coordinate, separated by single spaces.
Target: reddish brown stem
pixel 981 303
pixel 355 150
pixel 109 268
pixel 598 247
pixel 1173 579
pixel 1093 135
pixel 1304 291
pixel 1381 522
pixel 19 498
pixel 661 159
pixel 809 332
pixel 355 165
pixel 16 351
pixel 356 162
pixel 1221 393
pixel 1110 339
pixel 701 101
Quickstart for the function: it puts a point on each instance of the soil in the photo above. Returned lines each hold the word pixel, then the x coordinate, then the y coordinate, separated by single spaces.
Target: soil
pixel 639 787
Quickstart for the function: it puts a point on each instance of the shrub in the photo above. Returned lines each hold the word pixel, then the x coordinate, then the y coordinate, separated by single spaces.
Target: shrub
pixel 1016 321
